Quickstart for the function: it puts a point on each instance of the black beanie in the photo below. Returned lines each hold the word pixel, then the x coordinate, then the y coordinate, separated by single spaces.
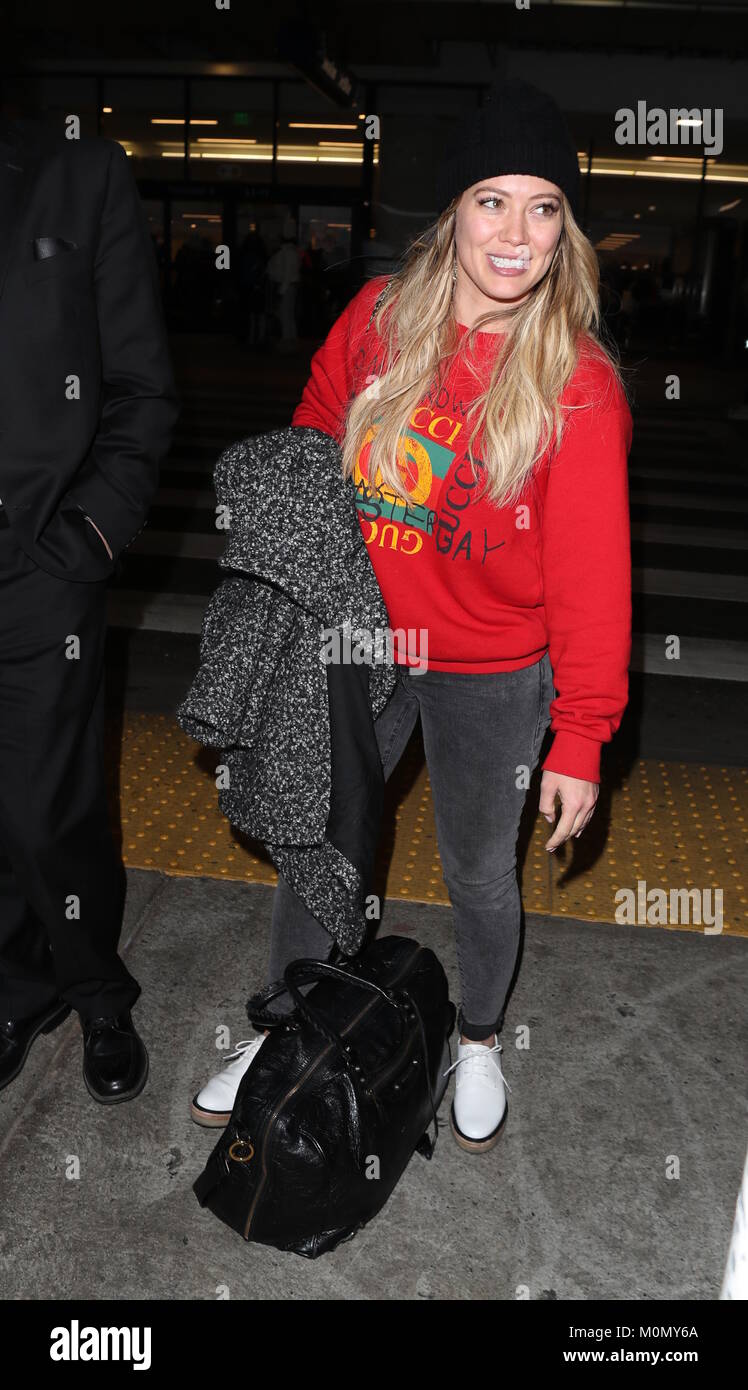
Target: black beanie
pixel 518 130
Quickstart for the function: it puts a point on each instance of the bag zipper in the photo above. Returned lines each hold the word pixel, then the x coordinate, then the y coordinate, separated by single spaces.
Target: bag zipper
pixel 304 1077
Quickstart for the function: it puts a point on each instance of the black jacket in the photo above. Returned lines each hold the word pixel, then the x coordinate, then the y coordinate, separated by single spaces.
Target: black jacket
pixel 297 732
pixel 79 298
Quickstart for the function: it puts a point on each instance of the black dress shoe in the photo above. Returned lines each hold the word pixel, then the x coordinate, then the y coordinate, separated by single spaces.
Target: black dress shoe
pixel 115 1061
pixel 17 1035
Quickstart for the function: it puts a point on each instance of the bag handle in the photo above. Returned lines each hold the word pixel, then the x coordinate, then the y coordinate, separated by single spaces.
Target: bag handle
pixel 302 971
pixel 259 1014
pixel 257 1010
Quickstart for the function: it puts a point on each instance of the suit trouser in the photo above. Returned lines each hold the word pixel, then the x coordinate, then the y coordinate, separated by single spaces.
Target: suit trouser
pixel 61 879
pixel 482 735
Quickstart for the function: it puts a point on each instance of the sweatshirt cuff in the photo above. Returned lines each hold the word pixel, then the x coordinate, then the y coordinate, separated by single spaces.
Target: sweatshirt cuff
pixel 573 755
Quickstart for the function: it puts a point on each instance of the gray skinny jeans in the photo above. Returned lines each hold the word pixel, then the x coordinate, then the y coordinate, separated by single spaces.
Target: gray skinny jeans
pixel 479 732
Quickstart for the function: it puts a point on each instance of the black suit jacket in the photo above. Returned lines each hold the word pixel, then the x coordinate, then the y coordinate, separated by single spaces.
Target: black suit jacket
pixel 87 395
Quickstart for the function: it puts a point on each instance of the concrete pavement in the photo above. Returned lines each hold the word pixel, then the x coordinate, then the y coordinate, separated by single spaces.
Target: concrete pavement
pixel 634 1071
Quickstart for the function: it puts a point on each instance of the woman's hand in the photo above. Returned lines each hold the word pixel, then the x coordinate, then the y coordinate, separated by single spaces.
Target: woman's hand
pixel 577 805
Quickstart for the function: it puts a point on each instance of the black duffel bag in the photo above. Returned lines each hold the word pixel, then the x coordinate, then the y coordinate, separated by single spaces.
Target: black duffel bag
pixel 341 1093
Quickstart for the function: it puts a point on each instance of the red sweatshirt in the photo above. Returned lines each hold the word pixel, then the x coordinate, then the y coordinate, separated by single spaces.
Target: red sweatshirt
pixel 472 587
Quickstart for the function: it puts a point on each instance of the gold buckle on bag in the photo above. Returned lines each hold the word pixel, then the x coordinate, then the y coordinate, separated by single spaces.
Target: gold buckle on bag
pixel 242 1144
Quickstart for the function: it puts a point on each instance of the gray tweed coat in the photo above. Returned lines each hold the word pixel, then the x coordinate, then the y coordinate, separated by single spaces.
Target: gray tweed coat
pixel 297 565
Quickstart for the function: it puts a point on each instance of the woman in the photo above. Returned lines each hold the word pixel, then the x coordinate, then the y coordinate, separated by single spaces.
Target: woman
pixel 488 432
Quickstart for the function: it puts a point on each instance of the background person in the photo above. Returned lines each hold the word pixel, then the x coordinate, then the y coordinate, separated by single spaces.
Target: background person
pixel 89 405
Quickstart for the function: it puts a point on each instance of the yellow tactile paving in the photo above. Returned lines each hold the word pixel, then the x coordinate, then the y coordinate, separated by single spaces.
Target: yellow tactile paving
pixel 169 807
pixel 658 825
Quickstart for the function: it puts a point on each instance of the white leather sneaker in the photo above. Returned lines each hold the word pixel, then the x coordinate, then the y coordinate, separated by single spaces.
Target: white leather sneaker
pixel 479 1108
pixel 212 1105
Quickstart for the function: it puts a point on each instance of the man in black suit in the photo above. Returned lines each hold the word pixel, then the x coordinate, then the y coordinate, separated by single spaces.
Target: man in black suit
pixel 87 410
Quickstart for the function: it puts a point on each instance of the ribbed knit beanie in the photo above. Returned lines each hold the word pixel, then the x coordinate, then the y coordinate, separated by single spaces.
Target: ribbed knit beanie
pixel 518 130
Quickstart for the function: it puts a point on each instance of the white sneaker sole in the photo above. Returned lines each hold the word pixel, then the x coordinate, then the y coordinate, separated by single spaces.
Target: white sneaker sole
pixel 477 1146
pixel 209 1119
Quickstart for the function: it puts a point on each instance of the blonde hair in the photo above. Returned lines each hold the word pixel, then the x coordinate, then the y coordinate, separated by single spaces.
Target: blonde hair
pixel 518 412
